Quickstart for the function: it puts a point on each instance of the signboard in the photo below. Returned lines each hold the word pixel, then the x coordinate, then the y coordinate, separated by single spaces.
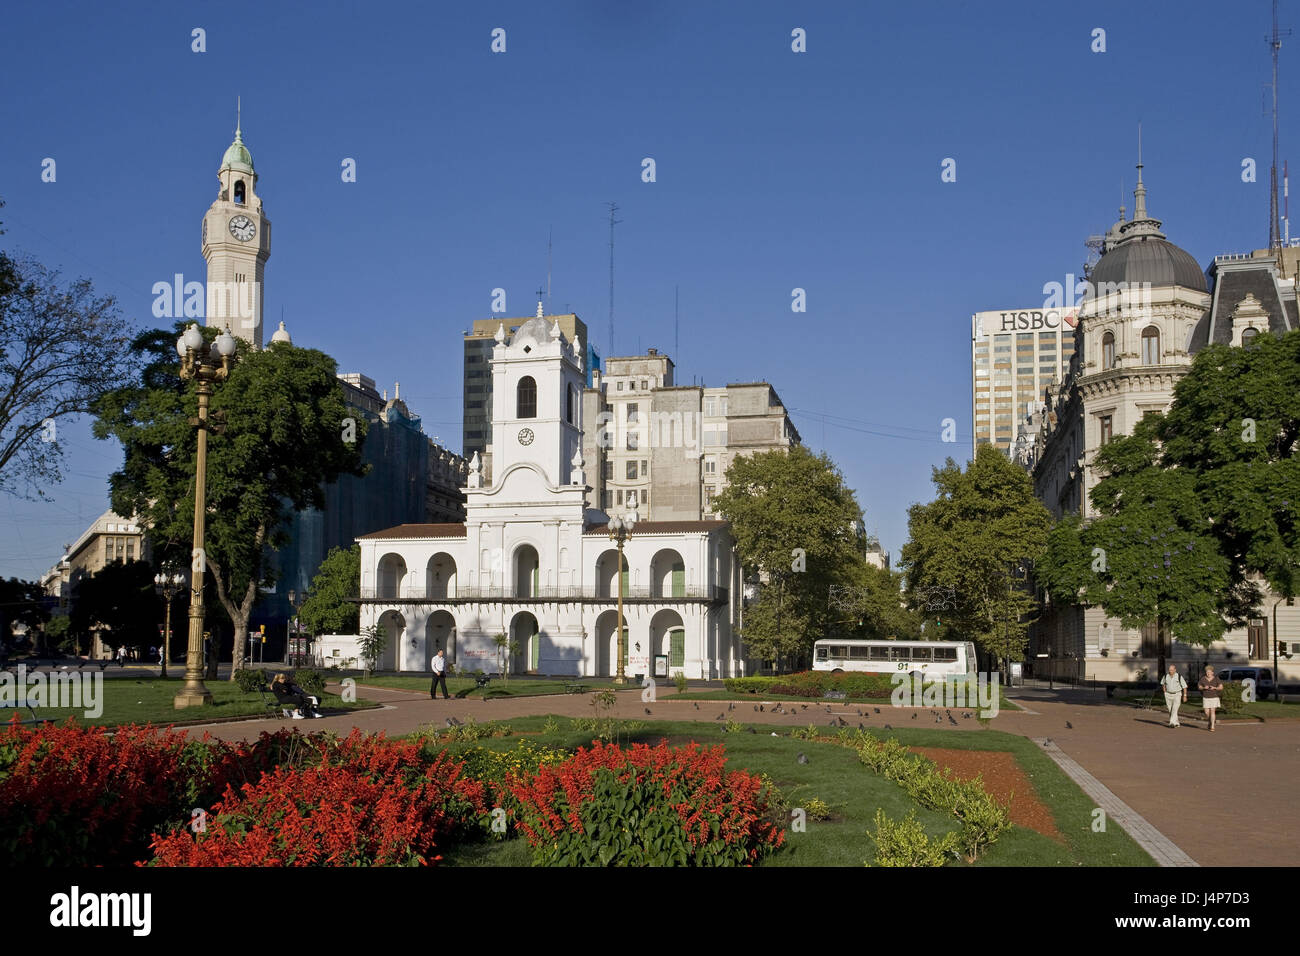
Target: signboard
pixel 661 665
pixel 1024 320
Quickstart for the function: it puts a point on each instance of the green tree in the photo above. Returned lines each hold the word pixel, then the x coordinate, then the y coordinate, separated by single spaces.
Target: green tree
pixel 970 549
pixel 22 602
pixel 281 431
pixel 1196 506
pixel 59 636
pixel 793 520
pixel 372 643
pixel 120 596
pixel 61 348
pixel 330 607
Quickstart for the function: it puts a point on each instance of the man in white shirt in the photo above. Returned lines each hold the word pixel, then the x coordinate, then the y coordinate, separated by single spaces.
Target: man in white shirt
pixel 439 665
pixel 1175 688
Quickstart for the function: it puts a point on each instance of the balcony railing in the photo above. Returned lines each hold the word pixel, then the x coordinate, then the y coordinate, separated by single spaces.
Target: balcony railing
pixel 501 595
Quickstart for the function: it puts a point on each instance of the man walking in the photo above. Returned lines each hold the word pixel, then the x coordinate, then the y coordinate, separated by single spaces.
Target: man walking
pixel 439 676
pixel 1175 690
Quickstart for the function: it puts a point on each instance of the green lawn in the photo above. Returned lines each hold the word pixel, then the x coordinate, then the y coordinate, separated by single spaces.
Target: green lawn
pixel 465 686
pixel 127 700
pixel 834 774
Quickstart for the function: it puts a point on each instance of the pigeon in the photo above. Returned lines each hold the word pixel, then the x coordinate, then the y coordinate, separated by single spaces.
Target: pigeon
pixel 801 758
pixel 966 715
pixel 1047 742
pixel 938 719
pixel 952 720
pixel 860 727
pixel 859 712
pixel 887 727
pixel 697 706
pixel 803 706
pixel 877 710
pixel 729 706
pixel 750 730
pixel 760 708
pixel 647 710
pixel 756 708
pixel 828 708
pixel 1069 726
pixel 453 722
pixel 914 716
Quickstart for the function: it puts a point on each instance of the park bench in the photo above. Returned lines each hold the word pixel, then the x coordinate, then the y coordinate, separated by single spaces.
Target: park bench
pixel 574 687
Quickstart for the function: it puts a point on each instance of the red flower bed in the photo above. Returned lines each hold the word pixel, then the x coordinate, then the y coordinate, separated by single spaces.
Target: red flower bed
pixel 645 806
pixel 346 814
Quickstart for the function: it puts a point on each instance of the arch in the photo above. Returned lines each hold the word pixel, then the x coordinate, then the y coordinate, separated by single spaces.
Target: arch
pixel 239 191
pixel 440 576
pixel 606 648
pixel 439 632
pixel 526 398
pixel 527 571
pixel 1248 336
pixel 667 574
pixel 525 631
pixel 1108 350
pixel 394 624
pixel 391 574
pixel 668 636
pixel 1151 345
pixel 606 566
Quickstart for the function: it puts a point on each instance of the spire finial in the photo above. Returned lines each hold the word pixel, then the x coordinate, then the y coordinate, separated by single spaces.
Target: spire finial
pixel 1140 193
pixel 239 112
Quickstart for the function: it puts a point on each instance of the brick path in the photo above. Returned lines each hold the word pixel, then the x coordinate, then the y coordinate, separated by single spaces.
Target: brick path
pixel 1222 799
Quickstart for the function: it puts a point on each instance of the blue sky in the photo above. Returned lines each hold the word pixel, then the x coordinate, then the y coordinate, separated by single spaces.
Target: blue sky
pixel 775 170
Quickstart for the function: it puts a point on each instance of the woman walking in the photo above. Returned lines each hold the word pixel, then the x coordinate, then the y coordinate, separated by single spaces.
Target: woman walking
pixel 1210 687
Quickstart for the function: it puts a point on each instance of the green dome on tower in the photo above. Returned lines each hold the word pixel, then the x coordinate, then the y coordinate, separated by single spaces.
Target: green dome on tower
pixel 238 156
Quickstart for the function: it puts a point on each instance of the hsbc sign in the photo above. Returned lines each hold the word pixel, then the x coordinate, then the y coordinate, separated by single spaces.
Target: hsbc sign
pixel 1035 319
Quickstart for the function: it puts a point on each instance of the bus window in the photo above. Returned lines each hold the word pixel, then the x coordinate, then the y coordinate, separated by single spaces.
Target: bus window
pixel 839 652
pixel 877 653
pixel 821 653
pixel 945 653
pixel 920 653
pixel 858 652
pixel 898 653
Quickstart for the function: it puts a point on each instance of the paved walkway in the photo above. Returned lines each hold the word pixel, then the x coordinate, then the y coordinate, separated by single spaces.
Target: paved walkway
pixel 1191 797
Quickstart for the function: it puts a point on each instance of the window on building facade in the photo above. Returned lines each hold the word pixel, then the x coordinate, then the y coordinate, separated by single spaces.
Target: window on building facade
pixel 1248 336
pixel 571 408
pixel 643 385
pixel 645 497
pixel 631 385
pixel 620 386
pixel 1257 637
pixel 1105 429
pixel 710 466
pixel 1155 642
pixel 710 406
pixel 631 470
pixel 609 471
pixel 526 398
pixel 1108 350
pixel 632 412
pixel 633 444
pixel 1150 345
pixel 645 467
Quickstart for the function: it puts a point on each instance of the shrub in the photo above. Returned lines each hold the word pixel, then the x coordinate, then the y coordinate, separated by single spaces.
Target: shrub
pixel 310 680
pixel 250 680
pixel 817 809
pixel 732 726
pixel 805 733
pixel 905 843
pixel 645 806
pixel 680 680
pixel 551 727
pixel 1230 701
pixel 749 685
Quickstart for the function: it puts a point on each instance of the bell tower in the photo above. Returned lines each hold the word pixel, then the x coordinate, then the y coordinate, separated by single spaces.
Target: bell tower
pixel 236 245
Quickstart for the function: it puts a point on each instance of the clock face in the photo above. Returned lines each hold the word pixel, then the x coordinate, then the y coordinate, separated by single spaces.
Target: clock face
pixel 525 436
pixel 242 228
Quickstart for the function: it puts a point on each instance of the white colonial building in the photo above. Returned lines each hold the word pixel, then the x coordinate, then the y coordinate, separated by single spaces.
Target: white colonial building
pixel 531 561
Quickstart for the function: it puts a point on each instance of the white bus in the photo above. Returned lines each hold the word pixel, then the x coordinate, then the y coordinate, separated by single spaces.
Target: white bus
pixel 937 658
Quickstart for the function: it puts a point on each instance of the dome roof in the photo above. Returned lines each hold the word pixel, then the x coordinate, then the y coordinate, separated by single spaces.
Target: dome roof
pixel 1149 259
pixel 535 332
pixel 238 156
pixel 281 335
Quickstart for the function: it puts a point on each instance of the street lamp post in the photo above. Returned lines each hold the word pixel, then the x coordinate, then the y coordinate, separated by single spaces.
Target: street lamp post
pixel 619 529
pixel 168 582
pixel 295 602
pixel 205 366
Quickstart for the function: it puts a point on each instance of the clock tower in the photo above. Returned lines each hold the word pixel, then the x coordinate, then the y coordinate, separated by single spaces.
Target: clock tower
pixel 236 245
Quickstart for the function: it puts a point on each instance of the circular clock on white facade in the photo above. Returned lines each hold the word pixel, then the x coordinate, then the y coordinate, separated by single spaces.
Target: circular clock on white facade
pixel 525 436
pixel 242 228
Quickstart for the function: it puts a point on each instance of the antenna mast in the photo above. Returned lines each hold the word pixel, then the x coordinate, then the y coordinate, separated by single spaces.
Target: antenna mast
pixel 676 337
pixel 549 230
pixel 1274 232
pixel 613 208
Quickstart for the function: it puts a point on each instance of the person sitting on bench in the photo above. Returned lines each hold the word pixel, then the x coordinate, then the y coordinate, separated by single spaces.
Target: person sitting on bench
pixel 287 692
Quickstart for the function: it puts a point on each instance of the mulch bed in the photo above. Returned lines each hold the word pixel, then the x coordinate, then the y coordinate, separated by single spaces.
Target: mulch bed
pixel 1003 779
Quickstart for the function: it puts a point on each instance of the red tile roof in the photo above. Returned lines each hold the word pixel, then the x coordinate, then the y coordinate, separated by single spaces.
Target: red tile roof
pixel 419 531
